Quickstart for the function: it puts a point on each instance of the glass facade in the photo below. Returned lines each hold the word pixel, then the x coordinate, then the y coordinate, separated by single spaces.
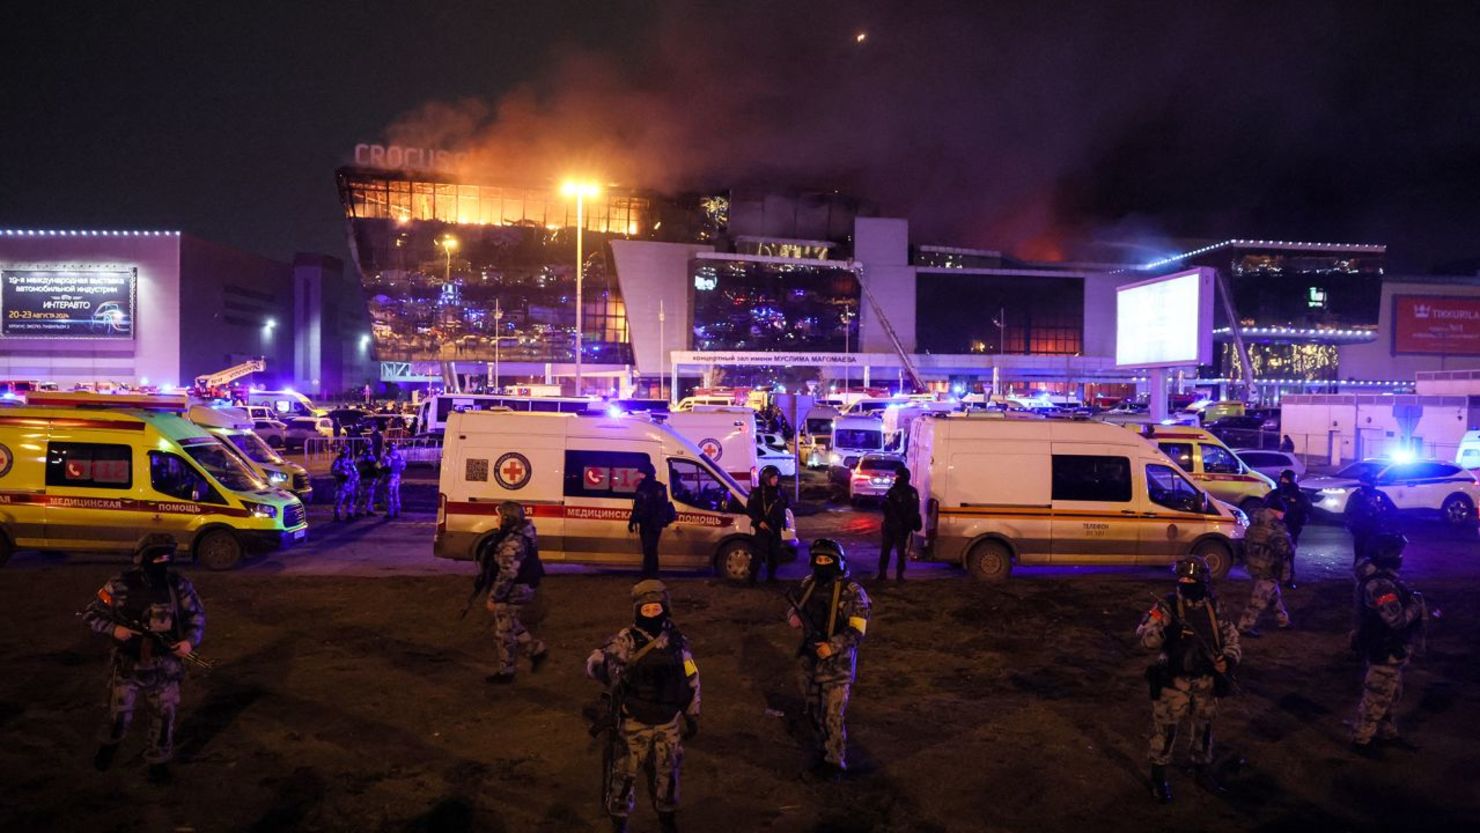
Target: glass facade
pixel 762 305
pixel 1299 288
pixel 431 300
pixel 1010 314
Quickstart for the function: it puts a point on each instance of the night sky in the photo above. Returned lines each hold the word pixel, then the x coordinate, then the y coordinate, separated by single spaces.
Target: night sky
pixel 1004 125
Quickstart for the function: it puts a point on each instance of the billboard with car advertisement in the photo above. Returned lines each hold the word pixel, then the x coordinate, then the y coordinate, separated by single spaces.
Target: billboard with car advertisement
pixel 1436 324
pixel 67 303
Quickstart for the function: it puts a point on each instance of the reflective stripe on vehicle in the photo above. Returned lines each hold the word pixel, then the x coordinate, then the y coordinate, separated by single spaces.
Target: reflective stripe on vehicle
pixel 121 504
pixel 582 513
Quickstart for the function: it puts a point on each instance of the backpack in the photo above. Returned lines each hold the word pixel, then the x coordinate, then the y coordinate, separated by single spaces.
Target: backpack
pixel 667 513
pixel 531 569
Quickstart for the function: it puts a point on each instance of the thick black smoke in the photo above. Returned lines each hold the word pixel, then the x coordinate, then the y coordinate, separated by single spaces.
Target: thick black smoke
pixel 1023 126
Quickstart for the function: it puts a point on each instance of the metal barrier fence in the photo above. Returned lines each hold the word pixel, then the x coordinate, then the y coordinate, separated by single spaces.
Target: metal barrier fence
pixel 416 450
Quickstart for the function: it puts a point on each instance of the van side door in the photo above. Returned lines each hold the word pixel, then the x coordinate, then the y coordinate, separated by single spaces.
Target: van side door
pixel 707 511
pixel 1094 514
pixel 598 489
pixel 91 501
pixel 1173 517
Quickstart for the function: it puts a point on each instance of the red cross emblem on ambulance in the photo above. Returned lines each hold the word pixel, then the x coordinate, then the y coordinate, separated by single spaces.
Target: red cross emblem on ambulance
pixel 712 448
pixel 512 470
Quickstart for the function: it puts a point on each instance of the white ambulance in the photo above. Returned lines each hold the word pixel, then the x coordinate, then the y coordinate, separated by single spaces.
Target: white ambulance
pixel 998 490
pixel 94 472
pixel 575 474
pixel 853 437
pixel 726 435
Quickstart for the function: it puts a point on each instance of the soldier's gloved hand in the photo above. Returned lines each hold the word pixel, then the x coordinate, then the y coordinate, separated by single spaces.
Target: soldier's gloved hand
pixel 123 634
pixel 824 650
pixel 183 648
pixel 690 727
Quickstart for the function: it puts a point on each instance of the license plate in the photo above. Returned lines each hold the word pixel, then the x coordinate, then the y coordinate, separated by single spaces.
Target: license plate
pixel 300 535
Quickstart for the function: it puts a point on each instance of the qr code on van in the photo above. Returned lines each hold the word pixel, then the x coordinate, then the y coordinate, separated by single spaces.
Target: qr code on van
pixel 478 470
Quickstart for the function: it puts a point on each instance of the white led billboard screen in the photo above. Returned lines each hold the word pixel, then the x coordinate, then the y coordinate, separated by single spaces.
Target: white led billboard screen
pixel 1165 322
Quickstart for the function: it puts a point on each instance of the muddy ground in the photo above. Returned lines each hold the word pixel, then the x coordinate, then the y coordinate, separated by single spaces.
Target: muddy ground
pixel 359 703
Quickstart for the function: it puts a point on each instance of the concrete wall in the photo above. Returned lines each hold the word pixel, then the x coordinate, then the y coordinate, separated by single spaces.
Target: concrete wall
pixel 882 245
pixel 650 273
pixel 154 351
pixel 227 298
pixel 1375 360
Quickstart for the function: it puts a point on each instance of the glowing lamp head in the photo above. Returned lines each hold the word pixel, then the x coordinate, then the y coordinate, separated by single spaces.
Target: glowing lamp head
pixel 1404 455
pixel 614 411
pixel 449 243
pixel 576 188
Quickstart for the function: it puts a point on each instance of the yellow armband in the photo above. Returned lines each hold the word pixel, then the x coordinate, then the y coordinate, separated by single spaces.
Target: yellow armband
pixel 689 668
pixel 858 623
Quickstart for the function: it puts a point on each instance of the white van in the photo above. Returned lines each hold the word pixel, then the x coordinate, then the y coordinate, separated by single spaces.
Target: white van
pixel 284 403
pixel 234 429
pixel 816 435
pixel 853 437
pixel 1468 454
pixel 575 476
pixel 725 435
pixel 689 403
pixel 434 411
pixel 999 490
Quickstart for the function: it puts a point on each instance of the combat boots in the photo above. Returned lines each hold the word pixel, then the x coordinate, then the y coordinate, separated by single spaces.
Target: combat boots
pixel 1160 789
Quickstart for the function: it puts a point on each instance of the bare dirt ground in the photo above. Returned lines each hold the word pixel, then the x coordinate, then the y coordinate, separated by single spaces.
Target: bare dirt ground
pixel 355 700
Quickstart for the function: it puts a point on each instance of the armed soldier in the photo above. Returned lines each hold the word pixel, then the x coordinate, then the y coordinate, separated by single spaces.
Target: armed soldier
pixel 517 559
pixel 395 464
pixel 1297 514
pixel 369 469
pixel 1389 616
pixel 651 512
pixel 901 520
pixel 767 509
pixel 1199 650
pixel 1366 517
pixel 656 701
pixel 147 597
pixel 346 484
pixel 1268 553
pixel 832 611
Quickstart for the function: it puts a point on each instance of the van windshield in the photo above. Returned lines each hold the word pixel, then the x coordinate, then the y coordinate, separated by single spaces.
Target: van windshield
pixel 222 465
pixel 819 426
pixel 255 449
pixel 858 438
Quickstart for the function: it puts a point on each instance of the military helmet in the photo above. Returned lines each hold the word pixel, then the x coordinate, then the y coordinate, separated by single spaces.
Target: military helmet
pixel 1387 550
pixel 827 547
pixel 156 547
pixel 1192 569
pixel 511 514
pixel 1275 501
pixel 648 591
pixel 768 471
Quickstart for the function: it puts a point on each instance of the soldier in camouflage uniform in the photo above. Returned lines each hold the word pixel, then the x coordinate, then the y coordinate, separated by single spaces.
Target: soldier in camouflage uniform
pixel 832 611
pixel 1388 617
pixel 1268 555
pixel 395 464
pixel 1197 646
pixel 346 484
pixel 152 594
pixel 656 680
pixel 516 552
pixel 370 472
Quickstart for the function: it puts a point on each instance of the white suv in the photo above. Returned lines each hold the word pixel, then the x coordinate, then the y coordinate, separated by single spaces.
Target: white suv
pixel 1412 486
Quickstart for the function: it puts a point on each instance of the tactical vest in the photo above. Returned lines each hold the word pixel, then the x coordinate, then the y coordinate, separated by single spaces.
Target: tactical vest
pixel 1375 641
pixel 531 570
pixel 657 690
pixel 1186 655
pixel 155 606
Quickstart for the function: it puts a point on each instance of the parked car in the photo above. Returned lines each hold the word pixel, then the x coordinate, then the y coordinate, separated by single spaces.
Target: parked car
pixel 1271 463
pixel 873 476
pixel 1243 431
pixel 271 431
pixel 300 429
pixel 1420 486
pixel 771 450
pixel 351 420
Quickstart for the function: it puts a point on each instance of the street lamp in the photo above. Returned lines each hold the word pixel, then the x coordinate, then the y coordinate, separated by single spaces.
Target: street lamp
pixel 449 245
pixel 579 190
pixel 847 370
pixel 498 333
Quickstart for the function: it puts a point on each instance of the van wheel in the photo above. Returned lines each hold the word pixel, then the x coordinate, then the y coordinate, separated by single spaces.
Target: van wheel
pixel 1456 511
pixel 732 562
pixel 219 549
pixel 1219 559
pixel 989 561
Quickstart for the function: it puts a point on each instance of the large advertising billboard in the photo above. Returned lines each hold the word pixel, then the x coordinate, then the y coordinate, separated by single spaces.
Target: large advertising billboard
pixel 1436 324
pixel 67 303
pixel 1165 322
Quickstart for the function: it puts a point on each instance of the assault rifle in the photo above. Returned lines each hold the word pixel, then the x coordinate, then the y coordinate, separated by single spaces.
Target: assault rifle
pixel 1224 682
pixel 487 572
pixel 159 639
pixel 605 718
pixel 811 634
